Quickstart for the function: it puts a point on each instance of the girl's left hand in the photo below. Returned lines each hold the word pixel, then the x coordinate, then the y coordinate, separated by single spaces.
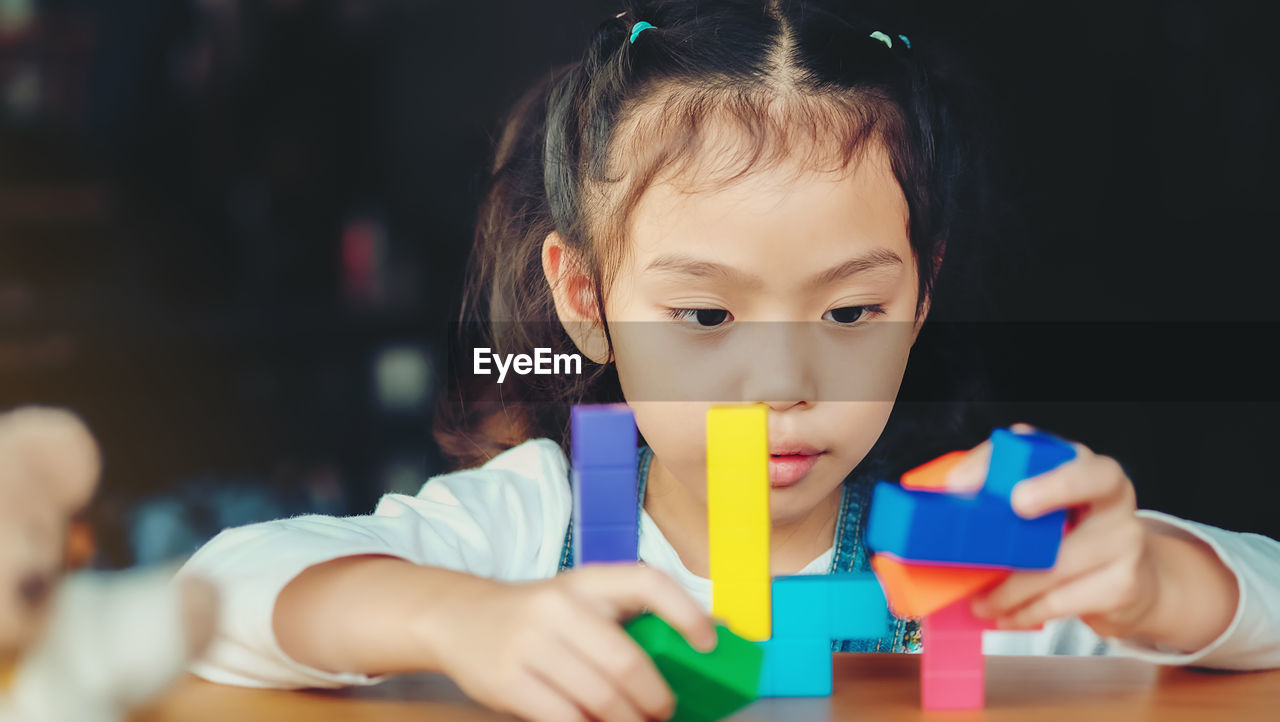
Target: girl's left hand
pixel 1105 573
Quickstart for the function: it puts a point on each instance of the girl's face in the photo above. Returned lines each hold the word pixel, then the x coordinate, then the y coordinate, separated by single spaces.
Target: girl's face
pixel 796 290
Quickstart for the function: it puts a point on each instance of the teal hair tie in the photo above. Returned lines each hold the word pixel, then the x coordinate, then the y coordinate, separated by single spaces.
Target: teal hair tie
pixel 638 28
pixel 905 41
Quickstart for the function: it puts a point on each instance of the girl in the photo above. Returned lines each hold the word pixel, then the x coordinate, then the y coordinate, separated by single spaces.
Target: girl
pixel 721 201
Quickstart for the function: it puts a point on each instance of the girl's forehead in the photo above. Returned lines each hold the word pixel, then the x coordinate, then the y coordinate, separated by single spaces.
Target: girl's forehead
pixel 798 208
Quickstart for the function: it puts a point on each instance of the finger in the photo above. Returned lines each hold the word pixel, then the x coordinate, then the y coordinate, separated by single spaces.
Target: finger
pixel 630 589
pixel 1088 480
pixel 534 698
pixel 971 473
pixel 1022 428
pixel 575 677
pixel 1091 593
pixel 1098 540
pixel 624 664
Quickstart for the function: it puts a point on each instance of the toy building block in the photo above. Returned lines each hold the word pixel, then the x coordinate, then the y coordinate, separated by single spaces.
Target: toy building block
pixel 978 530
pixel 738 517
pixel 605 496
pixel 932 475
pixel 915 590
pixel 1015 457
pixel 809 611
pixel 606 544
pixel 923 526
pixel 605 505
pixel 603 435
pixel 707 686
pixel 829 606
pixel 796 667
pixel 952 668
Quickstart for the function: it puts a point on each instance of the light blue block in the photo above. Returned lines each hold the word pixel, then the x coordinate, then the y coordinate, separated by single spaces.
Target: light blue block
pixel 858 609
pixel 801 607
pixel 796 668
pixel 829 606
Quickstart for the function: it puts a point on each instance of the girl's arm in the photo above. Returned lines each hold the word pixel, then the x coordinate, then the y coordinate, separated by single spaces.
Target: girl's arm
pixel 503 521
pixel 441 582
pixel 370 615
pixel 550 650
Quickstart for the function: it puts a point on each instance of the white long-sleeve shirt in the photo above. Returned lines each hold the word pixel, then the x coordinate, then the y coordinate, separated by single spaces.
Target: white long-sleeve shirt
pixel 507 519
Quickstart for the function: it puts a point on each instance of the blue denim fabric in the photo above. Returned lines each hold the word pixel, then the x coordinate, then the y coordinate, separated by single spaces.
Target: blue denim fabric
pixel 850 556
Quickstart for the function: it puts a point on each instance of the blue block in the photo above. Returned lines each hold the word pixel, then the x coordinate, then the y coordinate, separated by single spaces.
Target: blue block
pixel 605 544
pixel 829 606
pixel 858 607
pixel 801 607
pixel 1015 457
pixel 603 435
pixel 928 526
pixel 796 668
pixel 605 496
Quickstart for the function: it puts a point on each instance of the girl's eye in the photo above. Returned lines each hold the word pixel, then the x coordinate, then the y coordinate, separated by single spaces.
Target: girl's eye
pixel 702 317
pixel 850 314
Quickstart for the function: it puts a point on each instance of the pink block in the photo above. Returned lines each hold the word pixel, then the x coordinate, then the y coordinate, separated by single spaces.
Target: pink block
pixel 952 669
pixel 953 691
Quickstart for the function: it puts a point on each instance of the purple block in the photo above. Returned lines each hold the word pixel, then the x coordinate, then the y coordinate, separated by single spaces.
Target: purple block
pixel 603 435
pixel 604 496
pixel 605 544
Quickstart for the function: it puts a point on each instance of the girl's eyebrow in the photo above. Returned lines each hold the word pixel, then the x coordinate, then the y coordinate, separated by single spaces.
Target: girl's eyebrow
pixel 683 265
pixel 876 259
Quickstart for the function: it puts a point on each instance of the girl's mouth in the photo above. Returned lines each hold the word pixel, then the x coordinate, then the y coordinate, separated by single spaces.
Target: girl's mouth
pixel 788 469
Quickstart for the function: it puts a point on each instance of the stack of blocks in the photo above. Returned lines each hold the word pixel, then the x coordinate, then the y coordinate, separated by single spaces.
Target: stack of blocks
pixel 792 619
pixel 934 550
pixel 605 506
pixel 738 518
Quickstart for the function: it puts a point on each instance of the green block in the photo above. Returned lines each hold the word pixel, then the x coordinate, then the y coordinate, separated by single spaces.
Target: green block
pixel 707 686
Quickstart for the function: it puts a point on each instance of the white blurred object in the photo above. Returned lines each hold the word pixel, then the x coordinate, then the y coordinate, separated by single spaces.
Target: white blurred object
pixel 115 641
pixel 402 376
pixel 88 646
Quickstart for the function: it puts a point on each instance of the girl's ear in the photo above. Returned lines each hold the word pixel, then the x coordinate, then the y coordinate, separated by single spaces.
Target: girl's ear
pixel 575 298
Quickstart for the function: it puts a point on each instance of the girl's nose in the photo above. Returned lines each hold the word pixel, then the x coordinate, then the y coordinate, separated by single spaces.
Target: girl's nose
pixel 781 369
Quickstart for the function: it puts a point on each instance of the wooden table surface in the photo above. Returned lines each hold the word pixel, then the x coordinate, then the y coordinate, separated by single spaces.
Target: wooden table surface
pixel 867 687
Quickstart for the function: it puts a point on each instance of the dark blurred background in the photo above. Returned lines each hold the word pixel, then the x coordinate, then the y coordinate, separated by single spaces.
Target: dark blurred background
pixel 232 231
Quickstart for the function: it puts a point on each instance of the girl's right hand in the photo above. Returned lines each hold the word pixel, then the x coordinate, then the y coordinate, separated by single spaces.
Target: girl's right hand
pixel 554 649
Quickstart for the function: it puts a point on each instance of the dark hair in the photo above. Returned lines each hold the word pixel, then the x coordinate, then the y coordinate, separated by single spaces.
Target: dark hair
pixel 579 149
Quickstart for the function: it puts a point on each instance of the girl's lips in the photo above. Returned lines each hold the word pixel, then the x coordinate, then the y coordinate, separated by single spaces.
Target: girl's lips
pixel 787 469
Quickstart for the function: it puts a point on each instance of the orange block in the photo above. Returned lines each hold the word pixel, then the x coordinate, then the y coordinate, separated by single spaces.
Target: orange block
pixel 914 590
pixel 932 475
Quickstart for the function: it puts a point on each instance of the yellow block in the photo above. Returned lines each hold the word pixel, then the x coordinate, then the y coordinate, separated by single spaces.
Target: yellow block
pixel 738 518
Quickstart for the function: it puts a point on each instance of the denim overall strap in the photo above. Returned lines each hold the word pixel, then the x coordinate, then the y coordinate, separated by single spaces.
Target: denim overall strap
pixel 643 457
pixel 851 556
